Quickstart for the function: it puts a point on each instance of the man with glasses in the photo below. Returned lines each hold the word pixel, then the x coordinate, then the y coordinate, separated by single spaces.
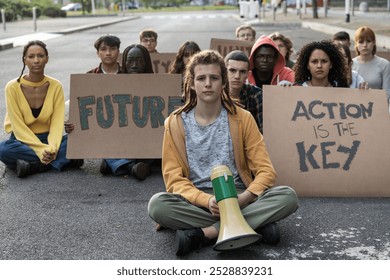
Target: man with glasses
pixel 148 39
pixel 245 33
pixel 267 64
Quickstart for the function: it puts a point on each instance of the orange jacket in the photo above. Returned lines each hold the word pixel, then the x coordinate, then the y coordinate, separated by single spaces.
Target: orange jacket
pixel 250 154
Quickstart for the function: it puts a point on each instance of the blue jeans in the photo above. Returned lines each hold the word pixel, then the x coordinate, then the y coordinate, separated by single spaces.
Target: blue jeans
pixel 119 166
pixel 12 150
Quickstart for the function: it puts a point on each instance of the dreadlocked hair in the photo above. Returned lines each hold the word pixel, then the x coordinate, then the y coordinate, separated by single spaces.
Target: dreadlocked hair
pixel 337 74
pixel 25 49
pixel 145 55
pixel 205 57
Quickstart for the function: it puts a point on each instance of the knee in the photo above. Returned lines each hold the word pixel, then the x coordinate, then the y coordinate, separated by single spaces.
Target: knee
pixel 4 151
pixel 289 198
pixel 157 206
pixel 1 150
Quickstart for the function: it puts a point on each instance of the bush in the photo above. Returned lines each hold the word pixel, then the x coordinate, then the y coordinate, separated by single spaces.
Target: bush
pixel 23 9
pixel 54 12
pixel 29 13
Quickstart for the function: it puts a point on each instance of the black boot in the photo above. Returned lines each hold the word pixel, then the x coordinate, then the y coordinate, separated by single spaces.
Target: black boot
pixel 104 168
pixel 25 168
pixel 270 233
pixel 76 163
pixel 139 170
pixel 188 240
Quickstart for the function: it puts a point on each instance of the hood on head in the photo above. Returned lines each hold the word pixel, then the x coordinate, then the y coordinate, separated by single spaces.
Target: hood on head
pixel 265 40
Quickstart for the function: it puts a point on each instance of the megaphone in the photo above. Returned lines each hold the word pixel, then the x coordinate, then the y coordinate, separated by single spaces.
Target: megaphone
pixel 234 231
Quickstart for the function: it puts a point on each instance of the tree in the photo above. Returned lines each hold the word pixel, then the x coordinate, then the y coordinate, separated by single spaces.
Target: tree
pixel 315 8
pixel 86 5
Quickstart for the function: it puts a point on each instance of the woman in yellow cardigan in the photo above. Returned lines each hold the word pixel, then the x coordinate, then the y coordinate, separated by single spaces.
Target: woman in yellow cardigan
pixel 209 130
pixel 35 118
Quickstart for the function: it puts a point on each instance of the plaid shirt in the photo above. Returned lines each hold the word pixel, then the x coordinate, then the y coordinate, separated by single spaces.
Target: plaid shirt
pixel 251 97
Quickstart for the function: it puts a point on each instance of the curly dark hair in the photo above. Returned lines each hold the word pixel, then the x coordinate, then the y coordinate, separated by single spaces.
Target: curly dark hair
pixel 337 74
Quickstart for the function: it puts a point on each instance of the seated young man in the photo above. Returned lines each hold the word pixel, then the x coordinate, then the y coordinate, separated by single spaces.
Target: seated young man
pixel 209 130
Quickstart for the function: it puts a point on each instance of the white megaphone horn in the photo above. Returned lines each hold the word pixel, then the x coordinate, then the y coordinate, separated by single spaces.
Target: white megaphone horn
pixel 234 231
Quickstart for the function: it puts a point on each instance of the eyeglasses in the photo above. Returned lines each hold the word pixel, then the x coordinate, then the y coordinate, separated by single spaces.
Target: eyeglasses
pixel 148 40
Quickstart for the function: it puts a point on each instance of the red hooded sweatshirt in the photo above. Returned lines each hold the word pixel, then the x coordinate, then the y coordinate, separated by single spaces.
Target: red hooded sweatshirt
pixel 281 72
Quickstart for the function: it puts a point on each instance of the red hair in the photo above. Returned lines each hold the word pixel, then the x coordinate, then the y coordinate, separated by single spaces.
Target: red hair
pixel 364 33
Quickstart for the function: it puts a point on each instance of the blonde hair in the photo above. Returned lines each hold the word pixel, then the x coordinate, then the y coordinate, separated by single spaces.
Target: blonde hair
pixel 245 27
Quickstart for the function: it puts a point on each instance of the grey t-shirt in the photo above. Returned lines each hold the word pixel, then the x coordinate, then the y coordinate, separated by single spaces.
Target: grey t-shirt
pixel 207 147
pixel 376 73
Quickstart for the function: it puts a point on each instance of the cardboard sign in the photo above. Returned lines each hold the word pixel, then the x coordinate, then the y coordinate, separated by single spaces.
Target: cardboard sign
pixel 224 46
pixel 162 61
pixel 331 142
pixel 120 116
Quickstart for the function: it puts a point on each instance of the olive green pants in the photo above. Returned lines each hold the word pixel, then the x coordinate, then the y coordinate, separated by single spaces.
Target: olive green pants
pixel 174 212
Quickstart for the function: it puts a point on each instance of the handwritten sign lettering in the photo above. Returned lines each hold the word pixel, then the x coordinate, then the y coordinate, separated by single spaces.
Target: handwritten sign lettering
pixel 317 109
pixel 143 109
pixel 329 141
pixel 120 116
pixel 224 46
pixel 162 61
pixel 307 157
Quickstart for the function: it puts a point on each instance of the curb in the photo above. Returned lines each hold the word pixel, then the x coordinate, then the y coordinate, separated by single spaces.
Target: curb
pixel 9 44
pixel 6 46
pixel 93 25
pixel 381 40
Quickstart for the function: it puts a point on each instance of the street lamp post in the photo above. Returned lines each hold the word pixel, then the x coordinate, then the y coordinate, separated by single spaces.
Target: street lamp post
pixel 298 7
pixel 93 7
pixel 347 9
pixel 34 14
pixel 3 19
pixel 326 8
pixel 352 8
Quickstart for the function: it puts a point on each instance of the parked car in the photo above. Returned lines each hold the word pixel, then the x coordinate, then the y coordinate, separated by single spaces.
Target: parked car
pixel 72 7
pixel 197 3
pixel 129 5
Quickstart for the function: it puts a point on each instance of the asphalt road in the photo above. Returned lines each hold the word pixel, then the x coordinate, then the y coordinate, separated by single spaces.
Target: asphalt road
pixel 82 215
